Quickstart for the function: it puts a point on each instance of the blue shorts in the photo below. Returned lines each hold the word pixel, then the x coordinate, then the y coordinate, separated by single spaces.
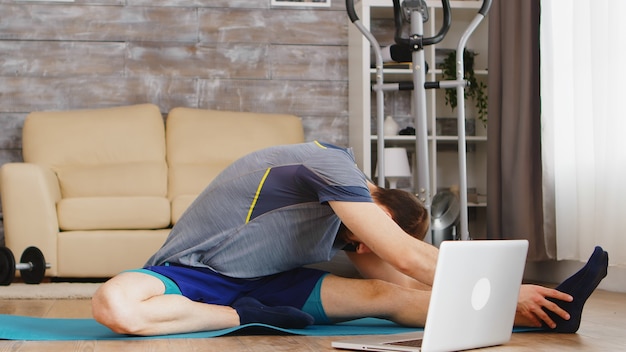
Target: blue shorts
pixel 299 288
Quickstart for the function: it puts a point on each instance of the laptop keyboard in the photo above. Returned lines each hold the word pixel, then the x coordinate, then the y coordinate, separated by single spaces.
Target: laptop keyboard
pixel 408 343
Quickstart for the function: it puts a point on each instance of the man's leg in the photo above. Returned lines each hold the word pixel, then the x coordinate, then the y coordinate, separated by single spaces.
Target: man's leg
pixel 135 303
pixel 346 299
pixel 250 310
pixel 140 303
pixel 580 286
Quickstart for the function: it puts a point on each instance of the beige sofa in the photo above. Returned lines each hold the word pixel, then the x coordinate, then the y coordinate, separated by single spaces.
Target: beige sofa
pixel 99 190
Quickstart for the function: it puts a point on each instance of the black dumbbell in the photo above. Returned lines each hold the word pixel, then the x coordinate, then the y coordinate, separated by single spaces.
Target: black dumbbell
pixel 32 266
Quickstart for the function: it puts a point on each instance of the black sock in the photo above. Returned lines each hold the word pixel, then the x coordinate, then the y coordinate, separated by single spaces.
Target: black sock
pixel 252 311
pixel 580 286
pixel 574 281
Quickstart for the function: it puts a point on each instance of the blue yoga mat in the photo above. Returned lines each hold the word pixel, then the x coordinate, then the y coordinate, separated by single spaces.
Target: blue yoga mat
pixel 14 327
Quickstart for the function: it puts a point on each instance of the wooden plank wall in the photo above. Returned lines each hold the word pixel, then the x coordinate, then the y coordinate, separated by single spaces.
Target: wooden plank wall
pixel 241 55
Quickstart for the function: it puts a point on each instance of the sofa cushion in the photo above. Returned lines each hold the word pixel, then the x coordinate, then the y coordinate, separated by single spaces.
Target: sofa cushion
pixel 115 152
pixel 113 179
pixel 180 204
pixel 106 253
pixel 201 143
pixel 113 213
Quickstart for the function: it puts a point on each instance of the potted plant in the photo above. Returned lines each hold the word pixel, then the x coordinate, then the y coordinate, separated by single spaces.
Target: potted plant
pixel 476 89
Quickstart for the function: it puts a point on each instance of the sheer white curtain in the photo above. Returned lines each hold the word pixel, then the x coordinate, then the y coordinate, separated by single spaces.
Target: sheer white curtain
pixel 583 93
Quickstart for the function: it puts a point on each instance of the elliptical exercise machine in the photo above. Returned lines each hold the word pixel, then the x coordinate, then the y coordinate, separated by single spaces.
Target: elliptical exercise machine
pixel 415 13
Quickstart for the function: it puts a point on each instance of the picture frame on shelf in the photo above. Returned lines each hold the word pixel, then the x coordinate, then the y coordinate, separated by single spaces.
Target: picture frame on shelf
pixel 448 126
pixel 301 3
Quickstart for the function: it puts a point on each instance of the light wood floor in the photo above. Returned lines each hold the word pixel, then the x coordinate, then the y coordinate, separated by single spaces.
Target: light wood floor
pixel 603 329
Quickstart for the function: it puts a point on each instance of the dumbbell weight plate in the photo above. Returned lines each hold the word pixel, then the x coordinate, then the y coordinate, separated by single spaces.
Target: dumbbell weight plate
pixel 7 266
pixel 36 274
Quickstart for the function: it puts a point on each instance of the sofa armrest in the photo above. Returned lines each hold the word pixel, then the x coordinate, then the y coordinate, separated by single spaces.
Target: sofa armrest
pixel 29 195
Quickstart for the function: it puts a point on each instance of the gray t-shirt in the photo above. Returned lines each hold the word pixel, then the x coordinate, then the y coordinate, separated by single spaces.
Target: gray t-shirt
pixel 268 212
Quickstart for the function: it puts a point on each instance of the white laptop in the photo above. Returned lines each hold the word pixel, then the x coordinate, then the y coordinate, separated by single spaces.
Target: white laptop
pixel 473 301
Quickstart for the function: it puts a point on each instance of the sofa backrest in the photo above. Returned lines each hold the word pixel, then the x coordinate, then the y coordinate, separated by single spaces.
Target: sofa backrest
pixel 103 152
pixel 201 143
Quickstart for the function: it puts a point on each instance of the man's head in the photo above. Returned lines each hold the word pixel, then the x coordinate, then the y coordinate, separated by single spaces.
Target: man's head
pixel 405 209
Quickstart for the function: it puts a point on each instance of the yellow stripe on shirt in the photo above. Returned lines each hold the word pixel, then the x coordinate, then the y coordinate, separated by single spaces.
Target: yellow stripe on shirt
pixel 256 196
pixel 320 145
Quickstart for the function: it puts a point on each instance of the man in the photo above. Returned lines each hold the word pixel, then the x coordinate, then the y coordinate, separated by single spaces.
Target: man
pixel 237 254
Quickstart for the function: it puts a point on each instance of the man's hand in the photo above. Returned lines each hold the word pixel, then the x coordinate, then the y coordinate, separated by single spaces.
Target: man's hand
pixel 532 299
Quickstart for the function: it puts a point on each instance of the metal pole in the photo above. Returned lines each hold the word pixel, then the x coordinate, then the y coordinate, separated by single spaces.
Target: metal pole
pixel 380 105
pixel 460 94
pixel 420 114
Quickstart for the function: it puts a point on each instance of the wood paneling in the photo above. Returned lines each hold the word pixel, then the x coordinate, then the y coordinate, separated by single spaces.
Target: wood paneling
pixel 242 55
pixel 11 136
pixel 282 26
pixel 98 23
pixel 56 93
pixel 61 59
pixel 250 4
pixel 239 55
pixel 221 60
pixel 299 98
pixel 309 62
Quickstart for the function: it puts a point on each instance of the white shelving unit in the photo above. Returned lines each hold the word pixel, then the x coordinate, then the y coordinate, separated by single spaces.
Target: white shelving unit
pixel 377 16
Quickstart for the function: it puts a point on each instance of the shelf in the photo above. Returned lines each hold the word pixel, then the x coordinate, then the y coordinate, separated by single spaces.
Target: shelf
pixel 363 76
pixel 395 75
pixel 469 139
pixel 384 8
pixel 476 205
pixel 442 139
pixel 458 4
pixel 443 150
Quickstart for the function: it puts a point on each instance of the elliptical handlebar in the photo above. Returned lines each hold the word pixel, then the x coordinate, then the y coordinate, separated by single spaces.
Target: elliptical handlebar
pixel 351 12
pixel 445 25
pixel 485 8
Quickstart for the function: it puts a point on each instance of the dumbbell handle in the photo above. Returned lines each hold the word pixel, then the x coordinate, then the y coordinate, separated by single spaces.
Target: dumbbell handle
pixel 28 266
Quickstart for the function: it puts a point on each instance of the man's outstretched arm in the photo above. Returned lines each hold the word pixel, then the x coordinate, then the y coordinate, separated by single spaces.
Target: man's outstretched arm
pixel 370 266
pixel 376 230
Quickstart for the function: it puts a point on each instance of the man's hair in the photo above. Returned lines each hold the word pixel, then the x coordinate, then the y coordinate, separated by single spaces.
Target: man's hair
pixel 406 210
